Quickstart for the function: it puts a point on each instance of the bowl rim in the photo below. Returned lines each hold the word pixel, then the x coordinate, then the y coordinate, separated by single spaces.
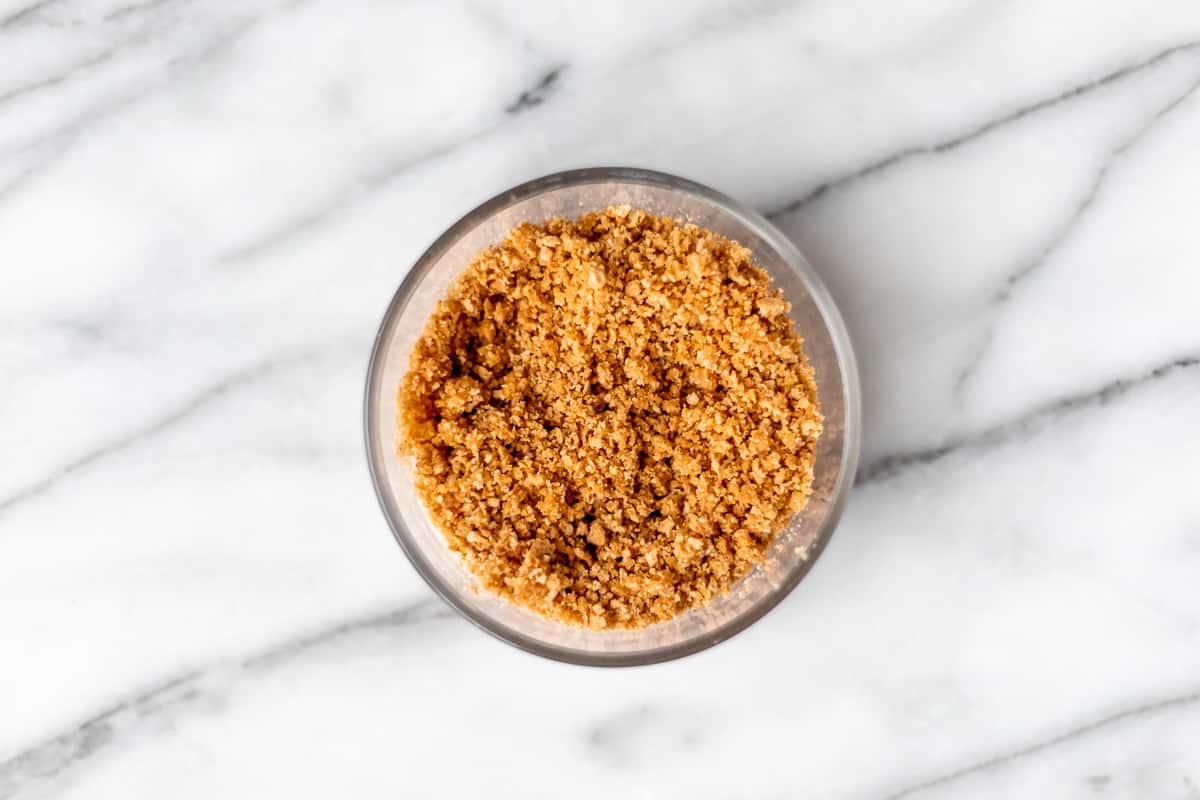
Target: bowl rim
pixel 843 351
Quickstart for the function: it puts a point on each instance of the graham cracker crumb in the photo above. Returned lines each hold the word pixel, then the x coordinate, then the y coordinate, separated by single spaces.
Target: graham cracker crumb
pixel 611 418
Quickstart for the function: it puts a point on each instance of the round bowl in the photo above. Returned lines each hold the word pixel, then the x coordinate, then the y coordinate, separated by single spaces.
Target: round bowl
pixel 791 556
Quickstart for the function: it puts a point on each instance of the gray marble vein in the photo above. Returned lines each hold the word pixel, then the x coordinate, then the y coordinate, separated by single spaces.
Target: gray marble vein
pixel 978 131
pixel 635 736
pixel 28 173
pixel 724 22
pixel 889 465
pixel 537 94
pixel 1063 232
pixel 1186 701
pixel 150 708
pixel 24 14
pixel 134 9
pixel 971 364
pixel 497 20
pixel 349 197
pixel 185 410
pixel 72 72
pixel 51 146
pixel 369 184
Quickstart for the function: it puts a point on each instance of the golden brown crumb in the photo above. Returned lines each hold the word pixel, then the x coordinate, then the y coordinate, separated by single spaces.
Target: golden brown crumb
pixel 611 418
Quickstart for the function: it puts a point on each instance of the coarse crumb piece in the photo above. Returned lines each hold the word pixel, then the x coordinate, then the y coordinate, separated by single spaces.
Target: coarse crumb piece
pixel 611 418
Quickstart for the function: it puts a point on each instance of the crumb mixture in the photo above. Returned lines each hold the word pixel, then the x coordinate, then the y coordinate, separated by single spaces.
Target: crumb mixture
pixel 611 418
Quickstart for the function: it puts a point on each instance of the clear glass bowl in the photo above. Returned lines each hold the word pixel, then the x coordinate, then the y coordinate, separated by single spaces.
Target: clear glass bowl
pixel 569 194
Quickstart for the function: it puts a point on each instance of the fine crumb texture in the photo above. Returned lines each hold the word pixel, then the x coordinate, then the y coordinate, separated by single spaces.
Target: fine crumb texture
pixel 611 418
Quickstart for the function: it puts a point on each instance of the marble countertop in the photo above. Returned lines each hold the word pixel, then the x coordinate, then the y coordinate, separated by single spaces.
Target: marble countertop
pixel 205 207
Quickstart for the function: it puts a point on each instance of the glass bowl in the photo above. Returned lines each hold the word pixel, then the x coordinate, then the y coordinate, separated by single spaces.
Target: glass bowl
pixel 788 560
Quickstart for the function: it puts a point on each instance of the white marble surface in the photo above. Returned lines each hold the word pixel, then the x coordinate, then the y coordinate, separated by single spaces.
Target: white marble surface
pixel 205 206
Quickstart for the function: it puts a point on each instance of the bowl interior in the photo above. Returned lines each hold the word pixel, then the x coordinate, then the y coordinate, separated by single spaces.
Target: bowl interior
pixel 825 344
